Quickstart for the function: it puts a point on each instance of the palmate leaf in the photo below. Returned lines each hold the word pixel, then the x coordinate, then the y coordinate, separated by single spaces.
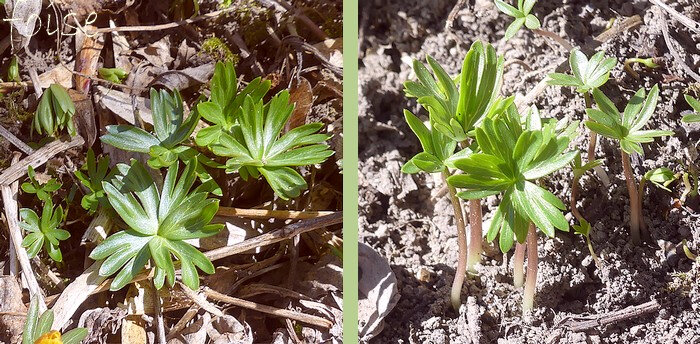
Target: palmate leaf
pixel 255 146
pixel 42 191
pixel 157 223
pixel 170 130
pixel 91 175
pixel 437 148
pixel 587 74
pixel 626 127
pixel 512 159
pixel 43 231
pixel 521 16
pixel 226 103
pixel 455 111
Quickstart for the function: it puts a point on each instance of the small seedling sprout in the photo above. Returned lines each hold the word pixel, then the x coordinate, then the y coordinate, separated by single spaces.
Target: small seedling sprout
pixel 693 117
pixel 522 16
pixel 626 128
pixel 650 62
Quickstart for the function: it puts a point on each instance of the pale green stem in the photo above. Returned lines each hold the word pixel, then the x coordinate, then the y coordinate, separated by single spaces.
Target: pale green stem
pixel 531 282
pixel 461 271
pixel 519 265
pixel 475 235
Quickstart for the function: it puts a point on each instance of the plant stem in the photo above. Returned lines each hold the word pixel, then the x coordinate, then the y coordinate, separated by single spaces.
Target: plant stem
pixel 475 234
pixel 634 198
pixel 461 270
pixel 574 197
pixel 640 199
pixel 531 282
pixel 549 34
pixel 519 265
pixel 593 137
pixel 593 255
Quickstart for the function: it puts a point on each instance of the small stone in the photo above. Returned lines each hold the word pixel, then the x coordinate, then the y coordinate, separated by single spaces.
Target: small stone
pixel 423 274
pixel 637 330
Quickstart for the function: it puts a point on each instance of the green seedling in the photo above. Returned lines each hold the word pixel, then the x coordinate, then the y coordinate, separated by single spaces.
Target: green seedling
pixel 13 70
pixel 91 175
pixel 454 113
pixel 54 112
pixel 587 75
pixel 115 75
pixel 511 161
pixel 522 16
pixel 693 117
pixel 171 131
pixel 42 191
pixel 225 106
pixel 255 147
pixel 158 221
pixel 583 227
pixel 648 62
pixel 43 231
pixel 37 328
pixel 626 128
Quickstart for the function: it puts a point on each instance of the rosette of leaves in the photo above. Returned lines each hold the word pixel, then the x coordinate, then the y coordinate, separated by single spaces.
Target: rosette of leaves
pixel 455 111
pixel 157 224
pixel 91 175
pixel 626 128
pixel 170 128
pixel 225 105
pixel 586 74
pixel 37 328
pixel 42 191
pixel 521 16
pixel 54 112
pixel 256 148
pixel 693 117
pixel 510 161
pixel 43 231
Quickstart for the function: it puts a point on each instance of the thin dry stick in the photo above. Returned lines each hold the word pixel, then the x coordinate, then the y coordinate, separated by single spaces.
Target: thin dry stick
pixel 160 323
pixel 689 23
pixel 15 140
pixel 305 318
pixel 138 28
pixel 672 49
pixel 38 158
pixel 549 34
pixel 274 214
pixel 9 199
pixel 588 323
pixel 189 315
pixel 14 271
pixel 200 300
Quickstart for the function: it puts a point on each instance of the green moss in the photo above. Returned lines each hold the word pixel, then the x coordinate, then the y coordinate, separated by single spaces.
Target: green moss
pixel 15 112
pixel 253 19
pixel 219 51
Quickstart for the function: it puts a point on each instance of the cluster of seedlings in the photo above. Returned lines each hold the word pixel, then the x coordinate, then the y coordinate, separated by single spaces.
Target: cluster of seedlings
pixel 152 210
pixel 483 145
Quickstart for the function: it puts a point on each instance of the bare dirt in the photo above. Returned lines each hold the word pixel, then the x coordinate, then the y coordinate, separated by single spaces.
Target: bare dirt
pixel 408 221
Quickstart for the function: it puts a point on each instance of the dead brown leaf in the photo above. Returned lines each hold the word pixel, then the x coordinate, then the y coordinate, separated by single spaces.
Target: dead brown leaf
pixel 299 94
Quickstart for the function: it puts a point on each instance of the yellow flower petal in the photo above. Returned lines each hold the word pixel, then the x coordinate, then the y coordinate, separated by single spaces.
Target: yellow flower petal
pixel 53 337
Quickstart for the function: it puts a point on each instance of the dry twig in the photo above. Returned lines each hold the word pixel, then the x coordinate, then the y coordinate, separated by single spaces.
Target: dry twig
pixel 38 158
pixel 578 324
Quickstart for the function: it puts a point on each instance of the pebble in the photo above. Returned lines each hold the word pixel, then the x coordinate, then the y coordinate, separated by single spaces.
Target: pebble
pixel 423 274
pixel 637 330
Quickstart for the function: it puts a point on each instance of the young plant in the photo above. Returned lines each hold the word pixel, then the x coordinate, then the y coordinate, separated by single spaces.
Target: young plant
pixel 43 191
pixel 54 112
pixel 583 227
pixel 170 128
pixel 511 161
pixel 256 148
pixel 37 328
pixel 91 175
pixel 43 231
pixel 157 224
pixel 13 70
pixel 661 177
pixel 587 76
pixel 522 16
pixel 650 62
pixel 115 75
pixel 225 105
pixel 693 117
pixel 454 112
pixel 626 128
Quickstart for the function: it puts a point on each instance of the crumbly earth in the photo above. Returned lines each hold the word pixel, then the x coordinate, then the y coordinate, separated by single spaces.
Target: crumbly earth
pixel 408 219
